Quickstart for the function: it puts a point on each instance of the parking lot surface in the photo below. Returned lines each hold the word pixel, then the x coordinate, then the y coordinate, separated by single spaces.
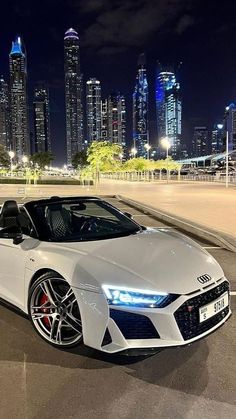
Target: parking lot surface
pixel 197 381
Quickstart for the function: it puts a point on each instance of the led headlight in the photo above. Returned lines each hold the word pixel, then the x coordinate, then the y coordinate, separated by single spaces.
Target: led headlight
pixel 122 296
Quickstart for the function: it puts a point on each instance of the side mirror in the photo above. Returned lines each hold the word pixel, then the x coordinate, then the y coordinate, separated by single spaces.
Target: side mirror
pixel 127 214
pixel 13 232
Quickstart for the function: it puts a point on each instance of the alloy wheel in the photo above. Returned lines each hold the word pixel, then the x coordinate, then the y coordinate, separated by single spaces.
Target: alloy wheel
pixel 55 313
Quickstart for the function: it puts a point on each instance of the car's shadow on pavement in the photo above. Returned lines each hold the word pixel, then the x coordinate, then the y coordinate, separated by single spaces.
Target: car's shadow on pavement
pixel 186 369
pixel 18 340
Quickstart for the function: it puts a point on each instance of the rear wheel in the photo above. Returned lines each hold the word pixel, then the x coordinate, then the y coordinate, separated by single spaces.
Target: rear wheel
pixel 54 311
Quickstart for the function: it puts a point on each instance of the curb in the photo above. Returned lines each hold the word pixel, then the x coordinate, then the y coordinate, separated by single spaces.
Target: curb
pixel 197 230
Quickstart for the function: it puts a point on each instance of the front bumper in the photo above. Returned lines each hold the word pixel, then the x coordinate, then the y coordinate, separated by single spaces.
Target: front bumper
pixel 114 329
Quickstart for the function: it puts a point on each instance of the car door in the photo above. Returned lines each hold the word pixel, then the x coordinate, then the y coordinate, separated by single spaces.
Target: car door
pixel 13 258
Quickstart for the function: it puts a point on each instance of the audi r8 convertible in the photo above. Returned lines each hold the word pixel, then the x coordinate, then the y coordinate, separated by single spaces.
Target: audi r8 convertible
pixel 84 271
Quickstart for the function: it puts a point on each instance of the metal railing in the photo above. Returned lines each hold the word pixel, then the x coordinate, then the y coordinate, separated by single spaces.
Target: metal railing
pixel 149 176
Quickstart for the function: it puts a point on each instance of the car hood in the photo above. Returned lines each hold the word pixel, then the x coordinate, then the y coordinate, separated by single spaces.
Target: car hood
pixel 160 260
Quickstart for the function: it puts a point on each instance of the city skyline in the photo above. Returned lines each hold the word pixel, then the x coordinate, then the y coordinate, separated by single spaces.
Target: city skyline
pixel 111 111
pixel 181 37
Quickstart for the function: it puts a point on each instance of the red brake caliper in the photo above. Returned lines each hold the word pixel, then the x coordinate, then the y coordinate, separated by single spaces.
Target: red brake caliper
pixel 44 300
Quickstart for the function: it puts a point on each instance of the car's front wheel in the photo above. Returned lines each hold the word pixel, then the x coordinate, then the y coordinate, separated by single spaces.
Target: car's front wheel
pixel 54 311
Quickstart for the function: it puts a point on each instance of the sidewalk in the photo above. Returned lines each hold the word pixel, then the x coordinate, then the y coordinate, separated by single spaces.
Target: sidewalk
pixel 210 205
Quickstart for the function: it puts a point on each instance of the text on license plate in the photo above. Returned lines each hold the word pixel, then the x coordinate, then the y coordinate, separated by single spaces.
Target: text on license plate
pixel 209 310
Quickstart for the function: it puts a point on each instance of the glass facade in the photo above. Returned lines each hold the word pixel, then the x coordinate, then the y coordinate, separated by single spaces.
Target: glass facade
pixel 230 125
pixel 140 109
pixel 169 109
pixel 217 139
pixel 104 118
pixel 4 114
pixel 18 99
pixel 73 95
pixel 42 119
pixel 93 105
pixel 200 142
pixel 117 119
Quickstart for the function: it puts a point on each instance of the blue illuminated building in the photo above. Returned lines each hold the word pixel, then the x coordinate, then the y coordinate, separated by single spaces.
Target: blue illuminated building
pixel 230 125
pixel 140 109
pixel 217 139
pixel 19 141
pixel 169 108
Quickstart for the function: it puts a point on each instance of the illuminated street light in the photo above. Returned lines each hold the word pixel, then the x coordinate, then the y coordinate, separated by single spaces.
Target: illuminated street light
pixel 165 143
pixel 25 159
pixel 148 148
pixel 11 155
pixel 134 151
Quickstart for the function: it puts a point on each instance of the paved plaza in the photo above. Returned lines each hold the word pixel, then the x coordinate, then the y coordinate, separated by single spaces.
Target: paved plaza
pixel 208 204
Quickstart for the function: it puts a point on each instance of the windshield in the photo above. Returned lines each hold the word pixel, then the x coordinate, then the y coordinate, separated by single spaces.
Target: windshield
pixel 79 220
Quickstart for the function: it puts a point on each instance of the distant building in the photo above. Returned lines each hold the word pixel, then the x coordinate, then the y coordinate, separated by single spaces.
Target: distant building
pixel 200 142
pixel 93 107
pixel 4 114
pixel 140 109
pixel 73 95
pixel 169 109
pixel 18 99
pixel 41 119
pixel 104 120
pixel 217 139
pixel 117 119
pixel 230 125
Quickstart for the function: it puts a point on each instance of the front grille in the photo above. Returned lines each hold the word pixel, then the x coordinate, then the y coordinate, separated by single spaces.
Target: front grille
pixel 134 326
pixel 188 321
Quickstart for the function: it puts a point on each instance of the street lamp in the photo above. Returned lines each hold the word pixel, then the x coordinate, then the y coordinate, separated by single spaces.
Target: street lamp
pixel 25 160
pixel 148 148
pixel 165 142
pixel 11 155
pixel 227 160
pixel 121 155
pixel 134 151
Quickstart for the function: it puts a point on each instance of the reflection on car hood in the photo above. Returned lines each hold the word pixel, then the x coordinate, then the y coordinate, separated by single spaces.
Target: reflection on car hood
pixel 161 260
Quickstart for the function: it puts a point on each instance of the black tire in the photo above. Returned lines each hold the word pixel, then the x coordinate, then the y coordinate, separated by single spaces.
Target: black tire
pixel 54 311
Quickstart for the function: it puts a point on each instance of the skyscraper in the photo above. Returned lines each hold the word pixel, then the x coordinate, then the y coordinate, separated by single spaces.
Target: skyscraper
pixel 200 141
pixel 117 119
pixel 18 99
pixel 73 95
pixel 230 125
pixel 169 108
pixel 41 119
pixel 4 114
pixel 140 108
pixel 217 139
pixel 93 105
pixel 104 120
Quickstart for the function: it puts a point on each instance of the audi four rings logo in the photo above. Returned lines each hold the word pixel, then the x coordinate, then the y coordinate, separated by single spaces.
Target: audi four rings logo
pixel 204 278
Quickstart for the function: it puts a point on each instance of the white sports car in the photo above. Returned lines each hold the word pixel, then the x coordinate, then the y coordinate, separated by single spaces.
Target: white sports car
pixel 84 271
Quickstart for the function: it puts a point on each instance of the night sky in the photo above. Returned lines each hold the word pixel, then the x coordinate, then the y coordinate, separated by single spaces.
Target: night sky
pixel 201 34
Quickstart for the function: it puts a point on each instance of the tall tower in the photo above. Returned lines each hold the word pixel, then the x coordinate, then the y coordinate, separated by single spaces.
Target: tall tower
pixel 140 108
pixel 117 119
pixel 18 99
pixel 230 125
pixel 42 119
pixel 169 108
pixel 4 114
pixel 73 95
pixel 93 104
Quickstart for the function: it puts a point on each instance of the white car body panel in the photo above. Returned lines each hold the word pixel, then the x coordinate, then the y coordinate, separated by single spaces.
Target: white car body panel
pixel 161 261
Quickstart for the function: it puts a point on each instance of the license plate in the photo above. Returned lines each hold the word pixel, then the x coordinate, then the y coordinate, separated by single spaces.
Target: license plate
pixel 209 310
